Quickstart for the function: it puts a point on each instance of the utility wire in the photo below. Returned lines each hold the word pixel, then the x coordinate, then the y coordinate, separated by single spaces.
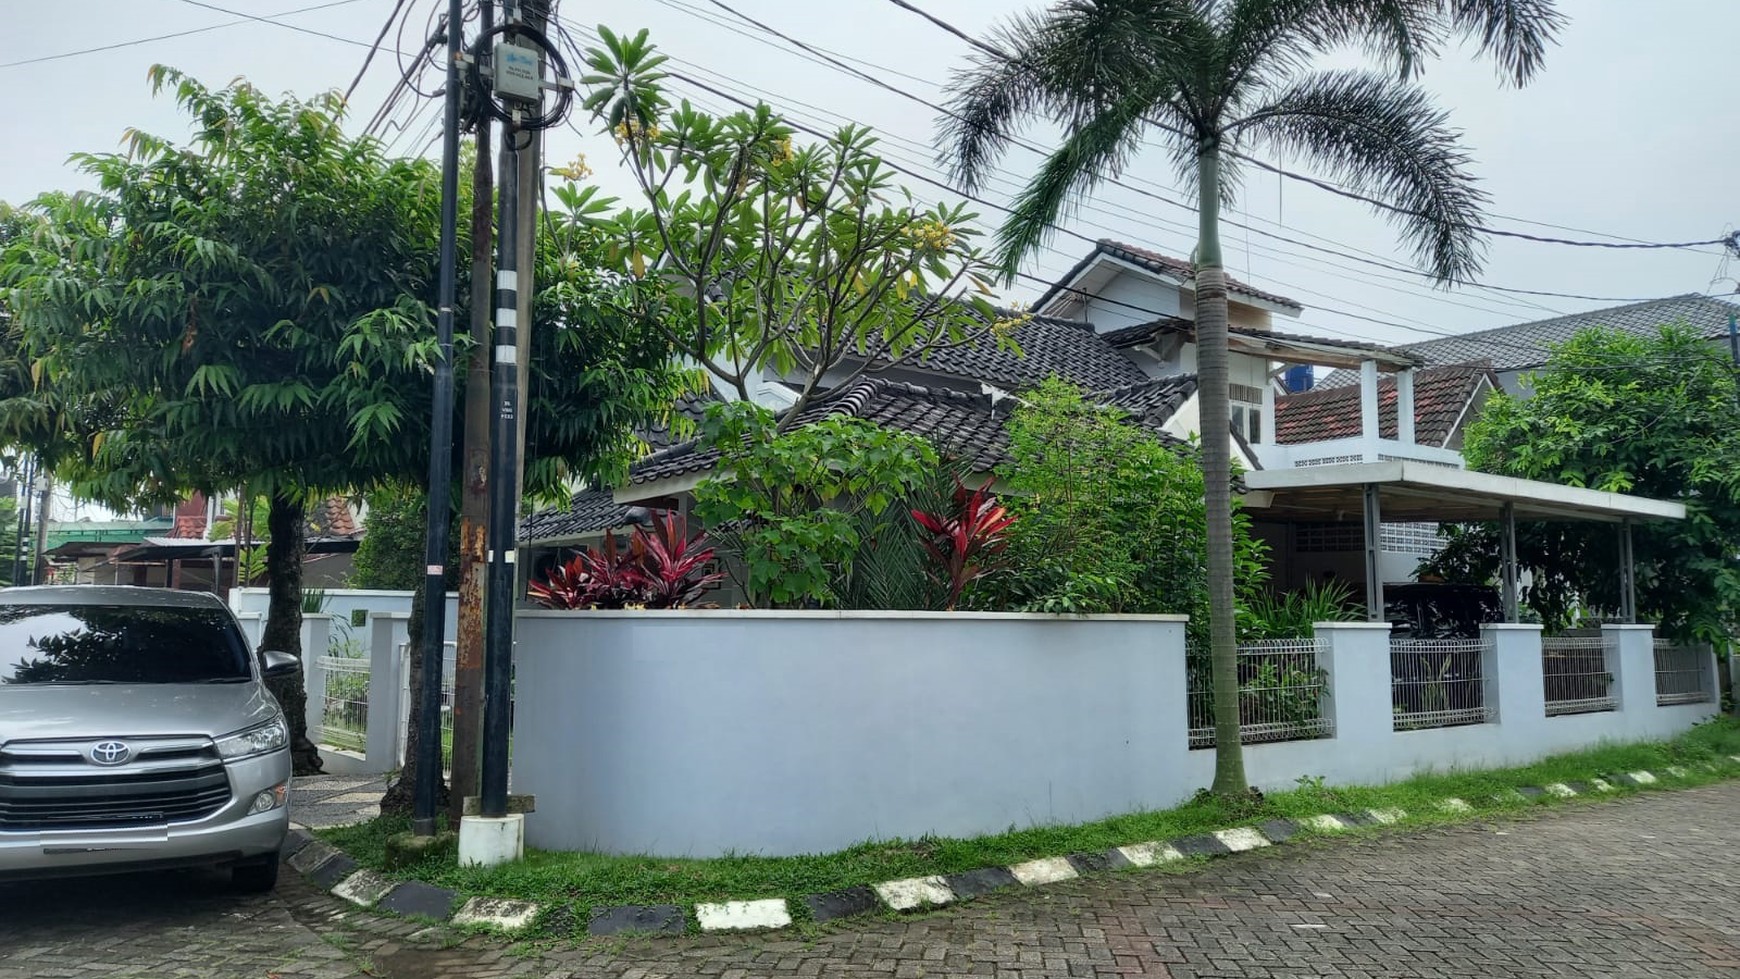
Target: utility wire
pixel 369 58
pixel 819 56
pixel 1627 243
pixel 245 19
pixel 277 23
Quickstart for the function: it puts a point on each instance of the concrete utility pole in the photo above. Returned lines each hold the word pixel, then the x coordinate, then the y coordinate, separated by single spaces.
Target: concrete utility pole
pixel 47 481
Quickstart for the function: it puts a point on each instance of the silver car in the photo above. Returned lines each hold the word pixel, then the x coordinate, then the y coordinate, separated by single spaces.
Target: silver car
pixel 136 733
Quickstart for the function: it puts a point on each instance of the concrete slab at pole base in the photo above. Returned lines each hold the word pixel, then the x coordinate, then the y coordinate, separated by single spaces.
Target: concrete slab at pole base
pixel 489 841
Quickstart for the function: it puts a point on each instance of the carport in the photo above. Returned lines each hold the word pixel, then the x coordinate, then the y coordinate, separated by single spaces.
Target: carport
pixel 1411 490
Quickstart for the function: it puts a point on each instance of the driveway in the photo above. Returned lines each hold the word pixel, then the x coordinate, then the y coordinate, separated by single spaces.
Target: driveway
pixel 1647 886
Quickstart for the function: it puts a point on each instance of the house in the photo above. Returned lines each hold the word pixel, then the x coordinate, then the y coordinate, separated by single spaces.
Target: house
pixel 1513 351
pixel 1118 326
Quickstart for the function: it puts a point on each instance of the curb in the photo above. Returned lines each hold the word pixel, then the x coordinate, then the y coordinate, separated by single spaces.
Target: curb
pixel 335 872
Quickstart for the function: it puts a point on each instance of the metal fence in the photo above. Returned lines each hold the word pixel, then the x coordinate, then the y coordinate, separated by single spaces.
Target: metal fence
pixel 1682 673
pixel 344 712
pixel 1437 683
pixel 1282 693
pixel 450 649
pixel 1577 675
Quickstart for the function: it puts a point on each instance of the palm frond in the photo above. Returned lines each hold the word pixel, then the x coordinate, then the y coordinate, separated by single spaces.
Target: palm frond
pixel 1094 151
pixel 1516 33
pixel 1385 139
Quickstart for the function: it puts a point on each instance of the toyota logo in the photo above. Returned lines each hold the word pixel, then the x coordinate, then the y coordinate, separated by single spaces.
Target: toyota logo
pixel 110 752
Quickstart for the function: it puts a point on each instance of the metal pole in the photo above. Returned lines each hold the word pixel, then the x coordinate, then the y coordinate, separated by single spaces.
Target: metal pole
pixel 426 792
pixel 503 491
pixel 24 510
pixel 1508 573
pixel 1374 582
pixel 1627 575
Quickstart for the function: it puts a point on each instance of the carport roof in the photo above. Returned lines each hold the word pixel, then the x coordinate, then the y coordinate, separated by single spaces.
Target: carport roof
pixel 1411 490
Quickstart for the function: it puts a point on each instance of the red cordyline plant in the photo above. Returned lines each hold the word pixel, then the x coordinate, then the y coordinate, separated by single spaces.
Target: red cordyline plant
pixel 966 542
pixel 662 569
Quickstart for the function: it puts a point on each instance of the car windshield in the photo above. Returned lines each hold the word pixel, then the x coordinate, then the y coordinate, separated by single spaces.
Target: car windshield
pixel 49 644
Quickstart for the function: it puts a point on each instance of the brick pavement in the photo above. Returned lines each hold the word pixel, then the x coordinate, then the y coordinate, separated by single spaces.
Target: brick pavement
pixel 1642 887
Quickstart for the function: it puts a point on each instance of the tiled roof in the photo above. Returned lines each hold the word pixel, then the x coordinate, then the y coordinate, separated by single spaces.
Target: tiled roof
pixel 1153 401
pixel 690 407
pixel 964 424
pixel 589 512
pixel 1441 394
pixel 1048 347
pixel 1134 336
pixel 1175 268
pixel 1525 345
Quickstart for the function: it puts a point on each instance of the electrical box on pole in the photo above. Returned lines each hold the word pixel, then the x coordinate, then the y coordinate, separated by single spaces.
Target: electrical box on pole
pixel 518 75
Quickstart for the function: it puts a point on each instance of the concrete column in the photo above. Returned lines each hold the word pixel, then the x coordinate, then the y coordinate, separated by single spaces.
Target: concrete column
pixel 1631 657
pixel 1405 406
pixel 1268 433
pixel 1368 405
pixel 316 639
pixel 1356 655
pixel 386 707
pixel 1516 685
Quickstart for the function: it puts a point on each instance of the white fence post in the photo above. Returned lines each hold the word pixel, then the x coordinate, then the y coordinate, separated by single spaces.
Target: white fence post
pixel 1634 665
pixel 316 640
pixel 1516 680
pixel 386 631
pixel 1356 655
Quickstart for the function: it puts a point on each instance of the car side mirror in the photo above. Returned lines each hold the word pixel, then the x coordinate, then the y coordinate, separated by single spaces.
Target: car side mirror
pixel 278 663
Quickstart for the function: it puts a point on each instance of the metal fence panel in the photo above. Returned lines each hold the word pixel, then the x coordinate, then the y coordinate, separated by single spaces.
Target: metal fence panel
pixel 344 714
pixel 1576 675
pixel 1682 673
pixel 1437 683
pixel 1282 693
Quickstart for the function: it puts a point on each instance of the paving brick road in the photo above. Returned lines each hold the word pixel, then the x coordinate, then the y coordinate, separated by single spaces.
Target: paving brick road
pixel 1648 886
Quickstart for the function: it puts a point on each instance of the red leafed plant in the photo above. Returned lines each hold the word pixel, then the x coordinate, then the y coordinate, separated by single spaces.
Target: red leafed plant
pixel 663 569
pixel 965 543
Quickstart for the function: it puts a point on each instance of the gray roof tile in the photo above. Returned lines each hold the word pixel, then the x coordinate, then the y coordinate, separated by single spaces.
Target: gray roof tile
pixel 1175 268
pixel 1525 346
pixel 1048 347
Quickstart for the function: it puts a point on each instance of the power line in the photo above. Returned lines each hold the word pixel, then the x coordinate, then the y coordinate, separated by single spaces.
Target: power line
pixel 1622 242
pixel 369 58
pixel 819 57
pixel 276 23
pixel 245 19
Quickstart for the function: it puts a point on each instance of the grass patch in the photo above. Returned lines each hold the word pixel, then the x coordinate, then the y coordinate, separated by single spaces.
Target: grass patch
pixel 575 883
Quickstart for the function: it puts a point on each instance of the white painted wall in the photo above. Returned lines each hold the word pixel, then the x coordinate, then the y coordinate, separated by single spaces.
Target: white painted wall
pixel 705 732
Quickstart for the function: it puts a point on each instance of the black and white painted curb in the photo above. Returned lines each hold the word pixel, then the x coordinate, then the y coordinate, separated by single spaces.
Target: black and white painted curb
pixel 336 872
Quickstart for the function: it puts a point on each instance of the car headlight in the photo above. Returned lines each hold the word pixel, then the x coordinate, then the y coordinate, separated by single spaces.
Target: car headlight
pixel 270 736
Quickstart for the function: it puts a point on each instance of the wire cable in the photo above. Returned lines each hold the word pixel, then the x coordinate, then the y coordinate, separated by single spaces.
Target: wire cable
pixel 369 58
pixel 248 19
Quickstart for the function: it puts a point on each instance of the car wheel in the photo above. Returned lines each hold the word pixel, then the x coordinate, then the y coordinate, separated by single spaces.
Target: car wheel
pixel 255 877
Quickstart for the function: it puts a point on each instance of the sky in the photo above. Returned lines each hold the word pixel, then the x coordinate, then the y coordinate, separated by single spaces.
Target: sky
pixel 1628 132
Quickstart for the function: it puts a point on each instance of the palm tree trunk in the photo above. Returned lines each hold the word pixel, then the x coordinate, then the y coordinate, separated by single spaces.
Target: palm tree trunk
pixel 286 540
pixel 1211 368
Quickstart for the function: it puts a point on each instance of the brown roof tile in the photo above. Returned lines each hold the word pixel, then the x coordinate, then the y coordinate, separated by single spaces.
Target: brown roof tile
pixel 1441 395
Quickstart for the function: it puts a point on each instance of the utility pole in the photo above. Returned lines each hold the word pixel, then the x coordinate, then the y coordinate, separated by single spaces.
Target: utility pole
pixel 537 17
pixel 474 480
pixel 428 785
pixel 47 481
pixel 23 541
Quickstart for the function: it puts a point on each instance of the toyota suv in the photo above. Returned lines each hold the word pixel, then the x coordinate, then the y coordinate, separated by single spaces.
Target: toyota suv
pixel 136 733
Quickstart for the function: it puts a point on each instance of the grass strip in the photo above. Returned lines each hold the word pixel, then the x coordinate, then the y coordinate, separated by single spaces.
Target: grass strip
pixel 581 882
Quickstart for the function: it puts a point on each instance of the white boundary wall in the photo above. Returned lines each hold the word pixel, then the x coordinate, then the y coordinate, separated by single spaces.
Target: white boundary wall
pixel 702 732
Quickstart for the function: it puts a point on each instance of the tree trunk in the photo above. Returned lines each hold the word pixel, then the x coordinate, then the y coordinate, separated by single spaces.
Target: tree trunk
pixel 474 493
pixel 286 526
pixel 401 792
pixel 1211 368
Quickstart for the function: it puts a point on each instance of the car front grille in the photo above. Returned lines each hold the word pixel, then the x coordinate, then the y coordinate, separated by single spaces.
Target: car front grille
pixel 53 785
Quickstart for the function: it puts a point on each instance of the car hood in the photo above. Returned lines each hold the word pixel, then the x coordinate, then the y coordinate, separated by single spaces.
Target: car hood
pixel 120 710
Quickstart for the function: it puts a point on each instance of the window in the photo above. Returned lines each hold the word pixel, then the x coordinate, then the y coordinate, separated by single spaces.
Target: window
pixel 119 644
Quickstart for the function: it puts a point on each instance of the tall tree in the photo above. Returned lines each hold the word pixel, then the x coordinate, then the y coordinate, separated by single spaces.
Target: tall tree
pixel 258 295
pixel 768 257
pixel 1208 80
pixel 1651 415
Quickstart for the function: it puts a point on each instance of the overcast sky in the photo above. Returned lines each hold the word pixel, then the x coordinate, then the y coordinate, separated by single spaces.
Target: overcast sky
pixel 1630 131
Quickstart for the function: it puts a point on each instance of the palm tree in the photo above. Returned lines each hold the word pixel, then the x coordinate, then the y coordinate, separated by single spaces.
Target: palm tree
pixel 1207 80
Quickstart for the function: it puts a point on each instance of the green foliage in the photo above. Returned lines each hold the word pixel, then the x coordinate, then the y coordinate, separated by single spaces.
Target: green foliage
pixel 788 505
pixel 1649 415
pixel 761 253
pixel 1291 615
pixel 1108 519
pixel 391 553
